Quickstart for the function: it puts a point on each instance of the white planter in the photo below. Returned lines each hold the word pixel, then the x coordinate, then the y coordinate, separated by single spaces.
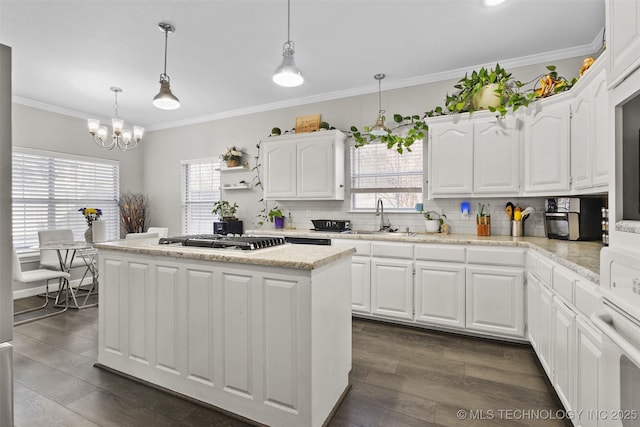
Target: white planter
pixel 487 97
pixel 432 225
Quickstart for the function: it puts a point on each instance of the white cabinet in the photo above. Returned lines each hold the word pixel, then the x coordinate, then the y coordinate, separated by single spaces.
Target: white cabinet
pixel 589 132
pixel 546 147
pixel 495 300
pixel 474 157
pixel 451 159
pixel 533 290
pixel 623 38
pixel 392 288
pixel 440 294
pixel 563 365
pixel 544 313
pixel 587 371
pixel 304 167
pixel 496 156
pixel 361 284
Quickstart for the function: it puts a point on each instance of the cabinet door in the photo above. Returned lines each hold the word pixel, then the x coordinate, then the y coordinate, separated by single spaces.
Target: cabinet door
pixel 546 166
pixel 361 284
pixel 600 96
pixel 316 171
pixel 495 300
pixel 532 286
pixel 392 288
pixel 563 337
pixel 544 313
pixel 496 156
pixel 279 169
pixel 623 38
pixel 582 140
pixel 451 159
pixel 440 294
pixel 588 354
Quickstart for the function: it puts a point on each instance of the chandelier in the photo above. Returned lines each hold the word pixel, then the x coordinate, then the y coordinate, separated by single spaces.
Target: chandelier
pixel 124 139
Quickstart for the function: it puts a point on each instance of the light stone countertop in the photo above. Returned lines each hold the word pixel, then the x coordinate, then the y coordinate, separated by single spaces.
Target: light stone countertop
pixel 580 257
pixel 300 257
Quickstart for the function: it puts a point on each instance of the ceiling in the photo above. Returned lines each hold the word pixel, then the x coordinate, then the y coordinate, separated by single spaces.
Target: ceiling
pixel 66 54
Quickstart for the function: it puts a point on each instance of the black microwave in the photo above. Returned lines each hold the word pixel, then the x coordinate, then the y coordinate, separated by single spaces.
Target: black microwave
pixel 573 218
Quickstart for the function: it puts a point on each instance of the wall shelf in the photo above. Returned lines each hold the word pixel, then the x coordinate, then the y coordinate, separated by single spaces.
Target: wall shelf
pixel 236 187
pixel 233 169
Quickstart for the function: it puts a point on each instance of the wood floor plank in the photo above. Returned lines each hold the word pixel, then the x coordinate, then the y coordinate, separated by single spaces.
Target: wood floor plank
pixel 38 411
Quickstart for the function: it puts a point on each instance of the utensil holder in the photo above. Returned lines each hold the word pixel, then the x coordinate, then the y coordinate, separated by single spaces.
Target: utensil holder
pixel 517 228
pixel 483 225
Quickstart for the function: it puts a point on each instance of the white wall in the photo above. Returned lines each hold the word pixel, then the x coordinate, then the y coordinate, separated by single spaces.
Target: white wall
pixel 163 150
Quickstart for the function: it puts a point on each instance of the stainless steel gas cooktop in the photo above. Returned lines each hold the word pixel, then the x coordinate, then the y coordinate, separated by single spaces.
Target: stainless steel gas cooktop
pixel 247 243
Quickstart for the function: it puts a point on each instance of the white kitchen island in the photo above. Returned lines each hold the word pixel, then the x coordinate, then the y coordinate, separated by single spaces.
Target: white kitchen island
pixel 263 334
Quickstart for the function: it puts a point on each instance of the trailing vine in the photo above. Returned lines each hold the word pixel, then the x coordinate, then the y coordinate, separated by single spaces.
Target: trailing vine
pixel 417 129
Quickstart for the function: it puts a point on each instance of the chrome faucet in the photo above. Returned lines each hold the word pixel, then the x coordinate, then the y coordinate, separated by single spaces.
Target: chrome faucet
pixel 384 225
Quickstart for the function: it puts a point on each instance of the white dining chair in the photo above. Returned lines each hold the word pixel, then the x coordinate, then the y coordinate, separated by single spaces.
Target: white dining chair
pixel 162 231
pixel 49 258
pixel 39 275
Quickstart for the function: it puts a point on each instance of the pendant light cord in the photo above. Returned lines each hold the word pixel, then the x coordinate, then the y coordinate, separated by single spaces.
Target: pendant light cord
pixel 115 106
pixel 166 38
pixel 288 21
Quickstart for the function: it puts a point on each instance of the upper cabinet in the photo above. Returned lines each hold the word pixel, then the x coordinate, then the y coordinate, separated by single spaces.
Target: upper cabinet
pixel 474 156
pixel 589 132
pixel 623 39
pixel 307 166
pixel 546 147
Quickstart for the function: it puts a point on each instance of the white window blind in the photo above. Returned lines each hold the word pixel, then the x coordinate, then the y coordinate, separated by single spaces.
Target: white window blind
pixel 48 189
pixel 378 172
pixel 200 190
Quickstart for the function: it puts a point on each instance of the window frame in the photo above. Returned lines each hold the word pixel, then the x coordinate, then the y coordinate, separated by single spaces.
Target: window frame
pixel 186 205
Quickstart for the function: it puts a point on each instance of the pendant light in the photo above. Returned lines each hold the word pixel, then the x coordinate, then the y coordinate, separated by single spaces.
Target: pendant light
pixel 288 74
pixel 165 100
pixel 379 128
pixel 122 138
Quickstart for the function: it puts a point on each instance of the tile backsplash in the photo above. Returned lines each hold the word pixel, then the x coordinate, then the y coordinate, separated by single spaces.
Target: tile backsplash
pixel 303 212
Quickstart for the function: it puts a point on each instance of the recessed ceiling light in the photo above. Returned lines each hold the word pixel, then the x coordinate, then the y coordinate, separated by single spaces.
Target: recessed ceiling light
pixel 490 3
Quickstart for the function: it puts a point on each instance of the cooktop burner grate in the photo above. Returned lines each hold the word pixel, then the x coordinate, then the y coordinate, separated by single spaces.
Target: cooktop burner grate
pixel 248 243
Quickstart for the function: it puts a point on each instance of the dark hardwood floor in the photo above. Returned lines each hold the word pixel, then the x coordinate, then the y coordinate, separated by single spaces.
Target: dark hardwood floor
pixel 401 377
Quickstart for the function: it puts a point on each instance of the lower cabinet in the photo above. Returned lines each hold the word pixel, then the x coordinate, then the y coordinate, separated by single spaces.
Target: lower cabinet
pixel 587 366
pixel 544 313
pixel 563 365
pixel 495 300
pixel 533 290
pixel 440 294
pixel 361 284
pixel 392 288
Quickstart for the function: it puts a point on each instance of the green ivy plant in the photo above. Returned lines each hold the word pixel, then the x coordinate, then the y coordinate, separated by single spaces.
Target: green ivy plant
pixel 416 126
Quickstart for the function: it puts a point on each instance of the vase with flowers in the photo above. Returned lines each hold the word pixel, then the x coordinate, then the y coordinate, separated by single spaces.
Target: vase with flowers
pixel 233 157
pixel 90 215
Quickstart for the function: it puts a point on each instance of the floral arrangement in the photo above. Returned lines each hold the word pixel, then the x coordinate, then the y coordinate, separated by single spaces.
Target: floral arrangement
pixel 91 214
pixel 233 154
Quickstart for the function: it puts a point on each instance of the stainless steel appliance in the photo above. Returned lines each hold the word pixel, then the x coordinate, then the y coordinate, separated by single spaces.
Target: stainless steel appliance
pixel 331 225
pixel 573 218
pixel 228 227
pixel 619 322
pixel 6 251
pixel 247 243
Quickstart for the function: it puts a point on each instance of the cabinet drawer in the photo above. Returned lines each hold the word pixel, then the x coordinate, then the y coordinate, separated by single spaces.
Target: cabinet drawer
pixel 392 250
pixel 362 247
pixel 563 283
pixel 495 256
pixel 587 298
pixel 544 270
pixel 447 253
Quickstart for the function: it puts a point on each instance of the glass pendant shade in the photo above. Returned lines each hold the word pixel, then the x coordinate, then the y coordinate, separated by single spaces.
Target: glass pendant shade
pixel 165 100
pixel 126 136
pixel 94 125
pixel 102 133
pixel 138 131
pixel 288 74
pixel 379 128
pixel 117 125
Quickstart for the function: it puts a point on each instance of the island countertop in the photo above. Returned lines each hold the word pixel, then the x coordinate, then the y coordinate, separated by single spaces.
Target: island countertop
pixel 581 257
pixel 301 257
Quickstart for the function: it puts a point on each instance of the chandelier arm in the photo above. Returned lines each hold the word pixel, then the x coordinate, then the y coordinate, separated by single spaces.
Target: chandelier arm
pixel 126 147
pixel 101 143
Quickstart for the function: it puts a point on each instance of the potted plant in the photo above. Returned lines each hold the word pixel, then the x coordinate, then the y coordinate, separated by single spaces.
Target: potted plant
pixel 276 132
pixel 433 221
pixel 276 216
pixel 233 157
pixel 225 210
